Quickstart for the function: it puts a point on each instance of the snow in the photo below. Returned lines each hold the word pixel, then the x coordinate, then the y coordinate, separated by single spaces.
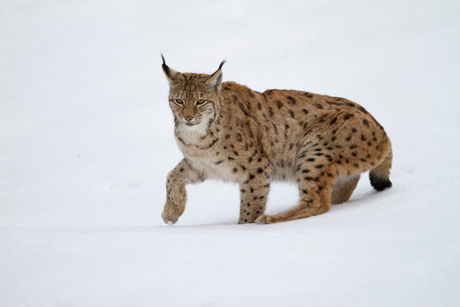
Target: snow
pixel 86 144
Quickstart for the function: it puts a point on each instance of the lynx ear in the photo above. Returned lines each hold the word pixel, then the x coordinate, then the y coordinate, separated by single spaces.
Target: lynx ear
pixel 216 78
pixel 169 72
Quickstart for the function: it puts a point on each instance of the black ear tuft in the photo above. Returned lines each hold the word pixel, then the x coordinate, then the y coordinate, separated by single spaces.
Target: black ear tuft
pixel 222 64
pixel 220 67
pixel 164 66
pixel 215 79
pixel 169 72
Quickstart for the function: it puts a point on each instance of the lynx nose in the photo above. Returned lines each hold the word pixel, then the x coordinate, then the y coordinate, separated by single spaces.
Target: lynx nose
pixel 188 118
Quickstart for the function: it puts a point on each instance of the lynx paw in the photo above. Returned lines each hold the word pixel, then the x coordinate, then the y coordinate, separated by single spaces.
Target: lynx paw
pixel 172 211
pixel 168 218
pixel 265 219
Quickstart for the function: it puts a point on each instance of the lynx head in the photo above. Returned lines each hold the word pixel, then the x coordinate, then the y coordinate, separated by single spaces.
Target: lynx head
pixel 194 98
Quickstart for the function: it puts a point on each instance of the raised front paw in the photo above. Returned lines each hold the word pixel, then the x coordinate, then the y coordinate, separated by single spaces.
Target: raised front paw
pixel 171 213
pixel 265 219
pixel 167 218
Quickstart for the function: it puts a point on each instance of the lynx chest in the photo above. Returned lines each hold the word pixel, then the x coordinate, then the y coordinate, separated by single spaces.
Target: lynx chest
pixel 209 157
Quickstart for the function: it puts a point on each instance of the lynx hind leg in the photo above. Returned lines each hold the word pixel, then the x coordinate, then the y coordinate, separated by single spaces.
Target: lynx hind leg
pixel 380 176
pixel 343 188
pixel 315 180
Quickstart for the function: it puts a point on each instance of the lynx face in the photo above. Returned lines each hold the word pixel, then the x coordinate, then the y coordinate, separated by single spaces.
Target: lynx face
pixel 193 111
pixel 194 98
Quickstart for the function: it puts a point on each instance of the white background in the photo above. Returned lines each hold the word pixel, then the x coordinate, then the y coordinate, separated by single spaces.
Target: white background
pixel 86 142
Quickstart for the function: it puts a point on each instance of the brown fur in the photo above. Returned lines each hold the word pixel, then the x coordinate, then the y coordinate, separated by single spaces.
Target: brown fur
pixel 227 131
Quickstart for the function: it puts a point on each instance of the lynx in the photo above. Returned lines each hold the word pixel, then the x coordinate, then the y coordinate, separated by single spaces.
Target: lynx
pixel 228 131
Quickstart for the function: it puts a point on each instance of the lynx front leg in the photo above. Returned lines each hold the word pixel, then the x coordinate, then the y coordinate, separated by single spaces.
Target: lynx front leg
pixel 253 193
pixel 176 195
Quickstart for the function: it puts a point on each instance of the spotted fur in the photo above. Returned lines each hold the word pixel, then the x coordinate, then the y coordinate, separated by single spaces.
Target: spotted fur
pixel 228 131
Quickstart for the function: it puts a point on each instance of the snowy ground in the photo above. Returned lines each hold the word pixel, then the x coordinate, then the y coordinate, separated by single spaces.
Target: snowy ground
pixel 86 143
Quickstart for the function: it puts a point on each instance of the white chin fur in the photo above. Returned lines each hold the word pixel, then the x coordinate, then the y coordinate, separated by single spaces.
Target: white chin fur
pixel 200 129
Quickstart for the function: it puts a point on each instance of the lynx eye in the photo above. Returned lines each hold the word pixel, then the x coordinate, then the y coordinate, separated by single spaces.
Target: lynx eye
pixel 178 101
pixel 201 102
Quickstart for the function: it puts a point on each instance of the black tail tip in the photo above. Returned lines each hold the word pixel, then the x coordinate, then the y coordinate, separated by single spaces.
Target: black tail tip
pixel 380 184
